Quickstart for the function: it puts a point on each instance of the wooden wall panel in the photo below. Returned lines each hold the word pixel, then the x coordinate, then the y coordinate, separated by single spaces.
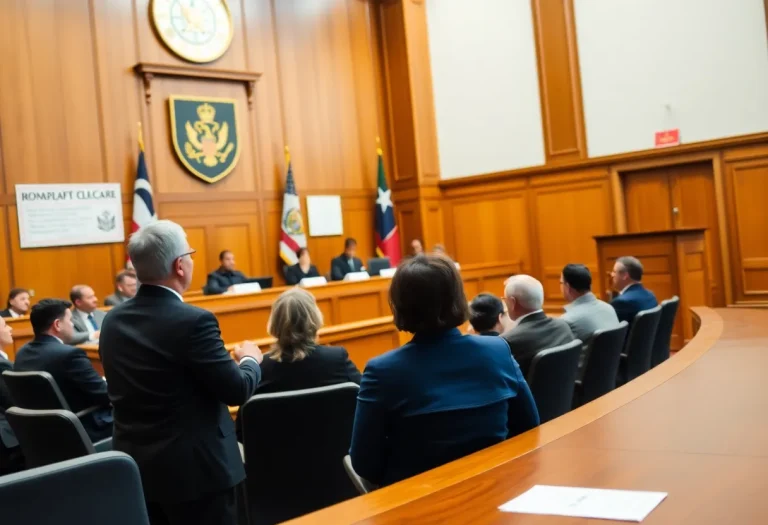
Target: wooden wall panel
pixel 747 189
pixel 567 216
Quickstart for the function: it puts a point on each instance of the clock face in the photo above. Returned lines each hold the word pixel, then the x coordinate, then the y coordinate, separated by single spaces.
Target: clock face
pixel 196 30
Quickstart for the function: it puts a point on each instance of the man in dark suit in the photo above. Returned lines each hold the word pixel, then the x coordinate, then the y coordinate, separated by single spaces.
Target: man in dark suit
pixel 534 331
pixel 633 296
pixel 86 317
pixel 225 277
pixel 125 288
pixel 346 262
pixel 170 381
pixel 75 376
pixel 487 316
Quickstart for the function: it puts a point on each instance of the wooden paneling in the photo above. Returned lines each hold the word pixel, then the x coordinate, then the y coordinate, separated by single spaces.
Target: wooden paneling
pixel 70 103
pixel 747 194
pixel 641 188
pixel 559 80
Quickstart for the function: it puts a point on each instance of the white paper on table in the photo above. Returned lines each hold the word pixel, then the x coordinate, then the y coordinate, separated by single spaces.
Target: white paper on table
pixel 608 504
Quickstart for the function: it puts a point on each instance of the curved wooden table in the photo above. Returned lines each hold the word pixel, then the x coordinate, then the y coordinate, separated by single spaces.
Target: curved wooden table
pixel 694 427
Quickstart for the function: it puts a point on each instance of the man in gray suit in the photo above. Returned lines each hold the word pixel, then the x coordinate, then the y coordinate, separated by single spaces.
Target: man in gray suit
pixel 125 288
pixel 584 312
pixel 86 317
pixel 534 331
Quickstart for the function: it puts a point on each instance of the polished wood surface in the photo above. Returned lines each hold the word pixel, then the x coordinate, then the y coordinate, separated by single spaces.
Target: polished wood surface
pixel 668 430
pixel 674 263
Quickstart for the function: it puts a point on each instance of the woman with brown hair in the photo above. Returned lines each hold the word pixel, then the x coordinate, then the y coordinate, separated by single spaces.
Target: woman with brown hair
pixel 296 361
pixel 443 395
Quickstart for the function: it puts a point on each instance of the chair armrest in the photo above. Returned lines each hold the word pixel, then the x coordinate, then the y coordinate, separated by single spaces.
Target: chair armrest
pixel 577 384
pixel 89 410
pixel 362 485
pixel 105 445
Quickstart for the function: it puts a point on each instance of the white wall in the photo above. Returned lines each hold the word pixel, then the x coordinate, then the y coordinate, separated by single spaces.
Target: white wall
pixel 485 84
pixel 705 59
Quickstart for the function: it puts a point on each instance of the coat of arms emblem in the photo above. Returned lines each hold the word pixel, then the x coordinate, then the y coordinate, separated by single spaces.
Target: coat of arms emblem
pixel 205 135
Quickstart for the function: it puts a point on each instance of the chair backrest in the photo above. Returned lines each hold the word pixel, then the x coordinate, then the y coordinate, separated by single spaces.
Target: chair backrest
pixel 34 390
pixel 93 490
pixel 295 443
pixel 640 342
pixel 604 353
pixel 48 436
pixel 377 264
pixel 552 376
pixel 660 352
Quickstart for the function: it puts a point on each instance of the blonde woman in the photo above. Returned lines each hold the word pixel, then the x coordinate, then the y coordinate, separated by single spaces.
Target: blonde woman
pixel 296 361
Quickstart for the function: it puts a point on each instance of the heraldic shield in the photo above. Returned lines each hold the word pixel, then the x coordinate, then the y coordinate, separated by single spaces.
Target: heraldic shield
pixel 205 135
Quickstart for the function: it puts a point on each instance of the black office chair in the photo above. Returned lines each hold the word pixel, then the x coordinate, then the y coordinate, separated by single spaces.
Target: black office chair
pixel 50 436
pixel 295 443
pixel 636 358
pixel 602 365
pixel 362 485
pixel 39 391
pixel 94 490
pixel 551 378
pixel 660 352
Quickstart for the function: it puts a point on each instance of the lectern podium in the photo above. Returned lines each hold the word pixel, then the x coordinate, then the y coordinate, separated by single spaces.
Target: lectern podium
pixel 674 262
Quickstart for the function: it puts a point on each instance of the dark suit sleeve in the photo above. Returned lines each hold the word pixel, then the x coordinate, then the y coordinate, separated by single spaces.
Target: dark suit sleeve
pixel 80 371
pixel 210 362
pixel 350 369
pixel 368 447
pixel 5 396
pixel 337 274
pixel 522 414
pixel 214 285
pixel 292 276
pixel 5 313
pixel 313 271
pixel 358 264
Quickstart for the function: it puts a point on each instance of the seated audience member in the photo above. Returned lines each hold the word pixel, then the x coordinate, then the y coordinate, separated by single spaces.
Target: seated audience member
pixel 81 385
pixel 486 315
pixel 125 288
pixel 18 303
pixel 439 249
pixel 633 296
pixel 304 268
pixel 346 262
pixel 86 317
pixel 10 454
pixel 584 312
pixel 441 396
pixel 416 248
pixel 296 361
pixel 225 277
pixel 534 331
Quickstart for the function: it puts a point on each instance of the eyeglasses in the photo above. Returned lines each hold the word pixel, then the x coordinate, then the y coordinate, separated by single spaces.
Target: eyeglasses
pixel 187 253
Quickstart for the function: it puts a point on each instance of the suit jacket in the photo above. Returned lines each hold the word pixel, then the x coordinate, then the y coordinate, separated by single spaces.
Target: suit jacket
pixel 7 437
pixel 81 334
pixel 115 299
pixel 324 366
pixel 533 334
pixel 170 381
pixel 220 280
pixel 340 267
pixel 585 315
pixel 6 313
pixel 79 382
pixel 635 299
pixel 438 398
pixel 294 275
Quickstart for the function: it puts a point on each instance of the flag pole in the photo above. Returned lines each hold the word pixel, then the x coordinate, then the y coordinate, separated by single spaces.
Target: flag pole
pixel 287 157
pixel 141 137
pixel 379 151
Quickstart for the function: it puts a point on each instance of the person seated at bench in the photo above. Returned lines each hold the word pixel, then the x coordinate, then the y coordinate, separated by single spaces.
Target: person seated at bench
pixel 18 303
pixel 346 262
pixel 302 269
pixel 225 277
pixel 441 396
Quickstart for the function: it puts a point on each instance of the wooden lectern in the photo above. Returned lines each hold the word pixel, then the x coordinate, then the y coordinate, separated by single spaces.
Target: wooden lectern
pixel 674 262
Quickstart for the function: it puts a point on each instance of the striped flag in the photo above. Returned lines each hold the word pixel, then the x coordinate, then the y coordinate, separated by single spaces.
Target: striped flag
pixel 387 236
pixel 143 207
pixel 292 235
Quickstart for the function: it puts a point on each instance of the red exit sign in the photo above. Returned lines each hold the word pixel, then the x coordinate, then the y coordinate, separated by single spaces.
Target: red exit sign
pixel 664 139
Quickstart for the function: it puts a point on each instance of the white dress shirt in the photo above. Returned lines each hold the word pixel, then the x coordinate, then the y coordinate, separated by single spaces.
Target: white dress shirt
pixel 88 325
pixel 13 313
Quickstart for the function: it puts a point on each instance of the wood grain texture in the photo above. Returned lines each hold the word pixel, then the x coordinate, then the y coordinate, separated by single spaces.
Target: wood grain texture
pixel 559 80
pixel 656 433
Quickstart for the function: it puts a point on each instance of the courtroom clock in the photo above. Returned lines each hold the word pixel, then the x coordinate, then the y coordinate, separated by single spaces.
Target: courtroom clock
pixel 196 30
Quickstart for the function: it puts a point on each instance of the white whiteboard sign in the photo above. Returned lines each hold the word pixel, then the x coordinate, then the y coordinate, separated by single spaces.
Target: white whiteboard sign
pixel 324 213
pixel 69 214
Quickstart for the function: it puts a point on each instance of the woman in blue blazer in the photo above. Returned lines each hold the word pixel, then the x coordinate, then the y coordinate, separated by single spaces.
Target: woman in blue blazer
pixel 443 395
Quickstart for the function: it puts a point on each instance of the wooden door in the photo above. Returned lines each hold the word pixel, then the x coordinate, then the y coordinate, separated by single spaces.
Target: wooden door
pixel 680 196
pixel 694 206
pixel 648 200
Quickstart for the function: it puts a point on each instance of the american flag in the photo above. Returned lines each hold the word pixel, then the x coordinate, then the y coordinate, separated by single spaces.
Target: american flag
pixel 292 235
pixel 143 207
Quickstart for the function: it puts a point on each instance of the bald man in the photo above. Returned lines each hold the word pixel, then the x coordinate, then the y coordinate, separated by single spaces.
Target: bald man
pixel 534 331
